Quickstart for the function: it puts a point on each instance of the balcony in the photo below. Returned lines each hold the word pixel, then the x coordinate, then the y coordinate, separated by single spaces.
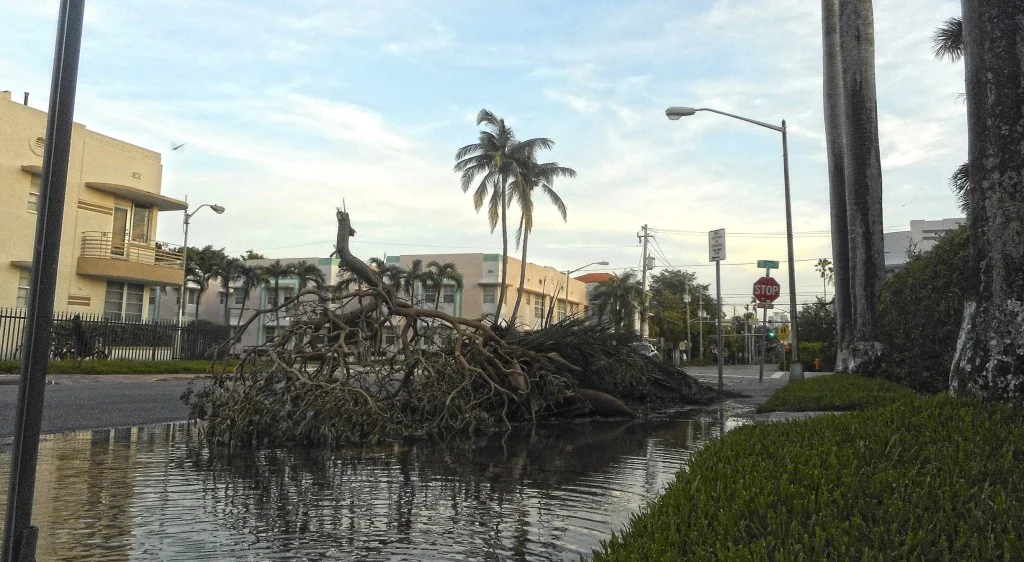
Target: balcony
pixel 140 262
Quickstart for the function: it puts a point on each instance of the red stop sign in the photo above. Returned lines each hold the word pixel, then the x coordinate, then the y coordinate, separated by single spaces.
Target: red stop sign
pixel 766 289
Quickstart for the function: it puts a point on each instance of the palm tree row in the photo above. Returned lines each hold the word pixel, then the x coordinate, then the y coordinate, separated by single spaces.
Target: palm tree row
pixel 434 276
pixel 208 263
pixel 508 170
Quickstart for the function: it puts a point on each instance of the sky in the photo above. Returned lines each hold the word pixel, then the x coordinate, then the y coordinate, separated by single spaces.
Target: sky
pixel 288 111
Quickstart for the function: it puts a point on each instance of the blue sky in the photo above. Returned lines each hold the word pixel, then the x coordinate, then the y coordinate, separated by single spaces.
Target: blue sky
pixel 287 109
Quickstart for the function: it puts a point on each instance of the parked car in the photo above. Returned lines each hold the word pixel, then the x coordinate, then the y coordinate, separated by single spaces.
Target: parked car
pixel 645 349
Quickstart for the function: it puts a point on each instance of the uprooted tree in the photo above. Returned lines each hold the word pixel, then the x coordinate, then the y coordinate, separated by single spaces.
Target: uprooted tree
pixel 362 363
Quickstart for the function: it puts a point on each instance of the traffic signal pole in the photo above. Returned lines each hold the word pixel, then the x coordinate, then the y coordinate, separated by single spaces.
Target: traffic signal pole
pixel 764 331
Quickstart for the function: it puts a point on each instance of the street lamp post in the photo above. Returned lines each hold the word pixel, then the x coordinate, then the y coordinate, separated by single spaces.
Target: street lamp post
pixel 674 113
pixel 568 271
pixel 184 267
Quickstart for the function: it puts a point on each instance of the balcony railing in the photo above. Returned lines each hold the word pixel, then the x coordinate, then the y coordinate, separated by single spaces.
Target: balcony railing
pixel 102 245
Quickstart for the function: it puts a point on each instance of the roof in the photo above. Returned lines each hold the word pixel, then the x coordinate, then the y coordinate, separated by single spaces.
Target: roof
pixel 594 277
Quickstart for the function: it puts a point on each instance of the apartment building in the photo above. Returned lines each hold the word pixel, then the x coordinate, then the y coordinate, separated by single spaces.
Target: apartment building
pixel 922 236
pixel 110 263
pixel 240 307
pixel 481 276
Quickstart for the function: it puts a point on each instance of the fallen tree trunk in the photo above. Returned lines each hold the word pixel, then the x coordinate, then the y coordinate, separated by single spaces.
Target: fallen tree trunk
pixel 329 378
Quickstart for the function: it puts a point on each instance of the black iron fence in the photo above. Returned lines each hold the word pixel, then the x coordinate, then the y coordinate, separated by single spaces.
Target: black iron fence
pixel 92 336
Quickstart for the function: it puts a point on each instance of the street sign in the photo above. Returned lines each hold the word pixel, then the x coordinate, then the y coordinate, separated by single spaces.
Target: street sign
pixel 784 332
pixel 766 289
pixel 765 305
pixel 767 264
pixel 716 245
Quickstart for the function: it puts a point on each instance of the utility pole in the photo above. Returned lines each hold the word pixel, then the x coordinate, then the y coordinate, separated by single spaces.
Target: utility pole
pixel 689 342
pixel 643 283
pixel 700 324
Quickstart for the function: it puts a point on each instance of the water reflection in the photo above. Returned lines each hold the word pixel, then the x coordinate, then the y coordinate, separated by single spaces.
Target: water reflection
pixel 550 492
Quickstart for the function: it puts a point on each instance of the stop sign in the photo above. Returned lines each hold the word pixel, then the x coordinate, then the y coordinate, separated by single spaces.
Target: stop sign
pixel 766 289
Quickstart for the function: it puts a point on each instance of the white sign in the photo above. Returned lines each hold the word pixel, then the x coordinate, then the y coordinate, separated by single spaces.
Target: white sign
pixel 716 245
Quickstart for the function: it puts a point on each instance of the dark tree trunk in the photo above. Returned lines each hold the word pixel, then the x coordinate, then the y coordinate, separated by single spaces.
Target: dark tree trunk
pixel 504 257
pixel 989 359
pixel 833 101
pixel 522 277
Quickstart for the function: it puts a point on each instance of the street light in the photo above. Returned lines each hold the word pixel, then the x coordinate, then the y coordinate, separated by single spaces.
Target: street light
pixel 184 262
pixel 674 113
pixel 568 271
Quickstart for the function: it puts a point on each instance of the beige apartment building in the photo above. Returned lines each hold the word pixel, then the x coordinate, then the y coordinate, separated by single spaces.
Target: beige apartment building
pixel 110 263
pixel 481 274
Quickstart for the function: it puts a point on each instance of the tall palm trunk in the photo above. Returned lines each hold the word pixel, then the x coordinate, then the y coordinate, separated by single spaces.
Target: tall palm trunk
pixel 522 275
pixel 863 174
pixel 832 67
pixel 989 358
pixel 504 254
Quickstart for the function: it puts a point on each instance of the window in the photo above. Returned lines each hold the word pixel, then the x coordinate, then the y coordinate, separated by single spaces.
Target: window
pixel 223 297
pixel 561 311
pixel 389 337
pixel 24 278
pixel 140 224
pixel 135 295
pixel 430 294
pixel 538 307
pixel 448 294
pixel 526 297
pixel 269 333
pixel 33 194
pixel 239 297
pixel 489 295
pixel 123 301
pixel 113 303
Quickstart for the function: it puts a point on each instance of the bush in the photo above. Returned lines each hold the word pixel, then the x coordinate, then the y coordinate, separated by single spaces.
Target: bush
pixel 927 478
pixel 919 314
pixel 835 393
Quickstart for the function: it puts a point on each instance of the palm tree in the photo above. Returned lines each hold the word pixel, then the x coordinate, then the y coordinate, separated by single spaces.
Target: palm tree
pixel 309 273
pixel 533 175
pixel 618 298
pixel 415 276
pixel 272 274
pixel 391 274
pixel 203 266
pixel 228 271
pixel 825 270
pixel 442 274
pixel 490 160
pixel 251 276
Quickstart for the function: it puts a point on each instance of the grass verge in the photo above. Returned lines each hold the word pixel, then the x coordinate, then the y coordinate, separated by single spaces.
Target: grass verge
pixel 835 393
pixel 932 478
pixel 118 367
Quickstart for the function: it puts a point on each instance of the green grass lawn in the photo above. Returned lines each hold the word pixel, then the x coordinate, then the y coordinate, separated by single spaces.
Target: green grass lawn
pixel 834 393
pixel 915 478
pixel 119 367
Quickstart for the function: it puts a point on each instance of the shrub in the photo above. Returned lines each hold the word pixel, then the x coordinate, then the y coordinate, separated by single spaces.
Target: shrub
pixel 919 314
pixel 835 393
pixel 928 478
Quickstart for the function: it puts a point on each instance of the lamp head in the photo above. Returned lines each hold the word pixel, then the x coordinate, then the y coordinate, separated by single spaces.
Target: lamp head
pixel 217 209
pixel 674 113
pixel 601 263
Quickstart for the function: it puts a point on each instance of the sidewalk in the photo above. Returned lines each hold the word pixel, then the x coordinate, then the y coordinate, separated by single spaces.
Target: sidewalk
pixel 749 394
pixel 63 379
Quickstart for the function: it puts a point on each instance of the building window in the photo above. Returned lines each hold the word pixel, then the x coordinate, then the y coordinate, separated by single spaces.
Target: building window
pixel 223 297
pixel 389 337
pixel 33 194
pixel 489 295
pixel 526 297
pixel 24 278
pixel 124 301
pixel 538 307
pixel 448 296
pixel 561 311
pixel 430 295
pixel 239 297
pixel 269 333
pixel 140 224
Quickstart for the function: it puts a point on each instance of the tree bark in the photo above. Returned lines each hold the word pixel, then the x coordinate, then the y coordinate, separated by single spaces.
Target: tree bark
pixel 989 359
pixel 504 257
pixel 522 279
pixel 832 68
pixel 863 177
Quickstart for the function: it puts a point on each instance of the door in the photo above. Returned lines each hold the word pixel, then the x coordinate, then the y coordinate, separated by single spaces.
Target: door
pixel 118 232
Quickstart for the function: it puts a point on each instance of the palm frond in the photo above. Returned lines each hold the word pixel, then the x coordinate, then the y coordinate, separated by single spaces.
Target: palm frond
pixel 960 183
pixel 948 40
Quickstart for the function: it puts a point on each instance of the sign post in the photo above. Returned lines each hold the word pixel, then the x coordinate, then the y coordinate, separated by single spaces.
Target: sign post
pixel 716 253
pixel 766 290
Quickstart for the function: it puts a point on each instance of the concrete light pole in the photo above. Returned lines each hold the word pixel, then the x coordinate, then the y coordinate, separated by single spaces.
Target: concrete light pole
pixel 674 113
pixel 184 267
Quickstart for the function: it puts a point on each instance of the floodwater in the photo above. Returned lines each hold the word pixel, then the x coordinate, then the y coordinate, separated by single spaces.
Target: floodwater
pixel 553 493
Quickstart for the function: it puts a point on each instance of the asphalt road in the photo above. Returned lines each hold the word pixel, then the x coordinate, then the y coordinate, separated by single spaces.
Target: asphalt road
pixel 92 404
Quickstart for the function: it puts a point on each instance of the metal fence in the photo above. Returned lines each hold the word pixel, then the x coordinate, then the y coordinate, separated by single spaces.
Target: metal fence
pixel 92 336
